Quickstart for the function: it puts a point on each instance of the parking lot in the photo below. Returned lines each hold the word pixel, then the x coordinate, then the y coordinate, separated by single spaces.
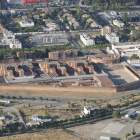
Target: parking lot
pixel 8 112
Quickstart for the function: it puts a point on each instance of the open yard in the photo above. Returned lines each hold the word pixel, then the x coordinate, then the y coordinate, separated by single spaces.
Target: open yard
pixel 66 94
pixel 48 135
pixel 110 128
pixel 120 76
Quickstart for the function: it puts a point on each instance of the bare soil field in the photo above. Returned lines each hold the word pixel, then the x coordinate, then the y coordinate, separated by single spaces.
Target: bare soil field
pixel 48 135
pixel 66 94
pixel 54 114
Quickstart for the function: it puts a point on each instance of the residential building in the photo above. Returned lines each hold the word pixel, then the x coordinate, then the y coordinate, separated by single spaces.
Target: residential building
pixel 2 117
pixel 72 21
pixel 2 28
pixel 62 54
pixel 90 20
pixel 88 110
pixel 111 15
pixel 2 125
pixel 48 21
pixel 136 25
pixel 9 39
pixel 87 40
pixel 36 16
pixel 85 16
pixel 9 58
pixel 26 23
pixel 112 37
pixel 94 24
pixel 105 30
pixel 46 11
pixel 51 27
pixel 24 17
pixel 118 23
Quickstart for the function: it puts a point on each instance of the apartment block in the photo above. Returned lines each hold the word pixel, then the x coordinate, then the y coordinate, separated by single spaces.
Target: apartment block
pixel 105 30
pixel 56 55
pixel 118 23
pixel 87 40
pixel 112 37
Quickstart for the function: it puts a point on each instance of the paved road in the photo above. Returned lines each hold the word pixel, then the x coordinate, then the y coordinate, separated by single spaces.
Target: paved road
pixel 58 101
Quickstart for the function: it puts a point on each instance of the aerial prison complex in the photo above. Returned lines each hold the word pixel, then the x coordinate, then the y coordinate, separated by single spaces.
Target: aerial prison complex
pixel 65 68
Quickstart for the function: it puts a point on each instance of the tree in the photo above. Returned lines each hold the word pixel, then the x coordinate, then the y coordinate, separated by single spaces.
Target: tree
pixel 134 56
pixel 120 100
pixel 125 17
pixel 45 106
pixel 138 118
pixel 100 100
pixel 29 105
pixel 132 38
pixel 127 134
pixel 40 98
pixel 20 97
pixel 72 104
pixel 116 114
pixel 68 104
pixel 132 94
pixel 133 132
pixel 123 97
pixel 108 106
pixel 84 100
pixel 71 27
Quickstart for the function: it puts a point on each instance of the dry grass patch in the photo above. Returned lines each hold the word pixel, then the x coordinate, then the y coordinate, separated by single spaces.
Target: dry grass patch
pixel 48 135
pixel 66 94
pixel 29 112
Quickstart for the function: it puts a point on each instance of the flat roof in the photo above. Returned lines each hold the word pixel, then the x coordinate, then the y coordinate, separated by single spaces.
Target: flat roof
pixel 104 79
pixel 127 43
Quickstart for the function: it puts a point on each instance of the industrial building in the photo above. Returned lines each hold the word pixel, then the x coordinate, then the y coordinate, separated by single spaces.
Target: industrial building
pixel 125 45
pixel 87 40
pixel 49 39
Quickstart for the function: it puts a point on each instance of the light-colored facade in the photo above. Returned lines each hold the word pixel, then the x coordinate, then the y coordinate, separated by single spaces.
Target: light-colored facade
pixel 112 37
pixel 87 40
pixel 134 62
pixel 88 110
pixel 52 27
pixel 125 45
pixel 26 23
pixel 9 39
pixel 118 23
pixel 105 30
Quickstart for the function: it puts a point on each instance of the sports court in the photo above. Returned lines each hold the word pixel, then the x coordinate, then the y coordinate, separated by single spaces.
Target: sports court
pixel 113 128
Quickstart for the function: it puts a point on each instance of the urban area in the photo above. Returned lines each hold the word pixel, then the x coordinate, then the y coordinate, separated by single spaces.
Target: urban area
pixel 69 69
